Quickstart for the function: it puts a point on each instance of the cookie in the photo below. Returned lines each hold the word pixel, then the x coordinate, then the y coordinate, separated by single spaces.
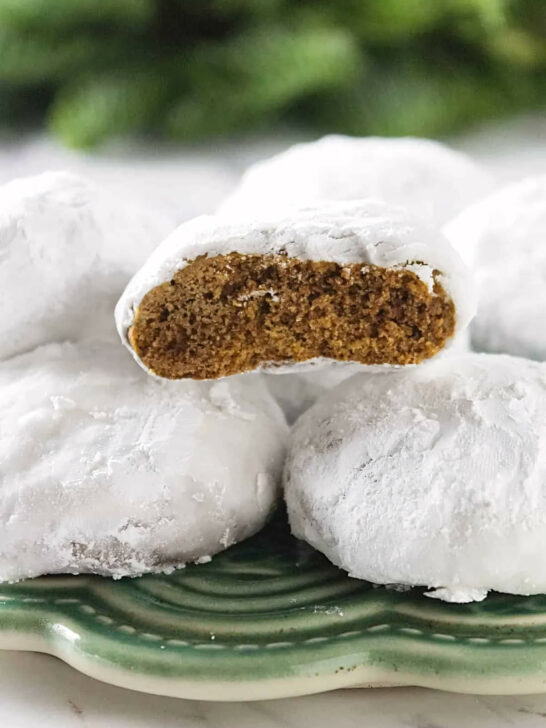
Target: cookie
pixel 432 476
pixel 67 250
pixel 353 282
pixel 430 180
pixel 505 236
pixel 108 471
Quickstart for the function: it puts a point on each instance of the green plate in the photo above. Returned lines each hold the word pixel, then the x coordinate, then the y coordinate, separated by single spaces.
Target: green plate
pixel 272 618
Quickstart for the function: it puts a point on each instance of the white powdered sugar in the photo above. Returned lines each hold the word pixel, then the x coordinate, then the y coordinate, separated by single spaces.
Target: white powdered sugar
pixel 369 231
pixel 107 470
pixel 429 179
pixel 505 234
pixel 67 249
pixel 295 393
pixel 432 475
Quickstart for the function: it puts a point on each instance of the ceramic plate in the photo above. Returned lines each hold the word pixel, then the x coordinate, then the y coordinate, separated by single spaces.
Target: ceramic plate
pixel 272 618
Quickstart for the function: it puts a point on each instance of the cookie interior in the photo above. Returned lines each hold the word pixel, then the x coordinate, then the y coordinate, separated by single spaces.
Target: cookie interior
pixel 231 313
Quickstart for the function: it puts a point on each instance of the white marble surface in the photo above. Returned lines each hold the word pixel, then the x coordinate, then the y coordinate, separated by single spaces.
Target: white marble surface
pixel 37 690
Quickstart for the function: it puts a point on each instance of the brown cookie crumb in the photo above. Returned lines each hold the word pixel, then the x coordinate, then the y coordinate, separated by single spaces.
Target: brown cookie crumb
pixel 232 313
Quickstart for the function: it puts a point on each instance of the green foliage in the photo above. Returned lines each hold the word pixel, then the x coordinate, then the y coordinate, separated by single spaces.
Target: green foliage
pixel 25 59
pixel 240 83
pixel 58 15
pixel 190 69
pixel 390 21
pixel 411 100
pixel 88 112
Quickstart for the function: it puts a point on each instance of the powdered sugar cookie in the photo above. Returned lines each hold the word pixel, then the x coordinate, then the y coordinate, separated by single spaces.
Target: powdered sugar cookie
pixel 67 249
pixel 359 282
pixel 107 470
pixel 429 179
pixel 506 236
pixel 432 476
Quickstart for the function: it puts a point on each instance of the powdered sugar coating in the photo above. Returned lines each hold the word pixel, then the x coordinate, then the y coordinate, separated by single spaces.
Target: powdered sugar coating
pixel 506 234
pixel 368 231
pixel 429 179
pixel 109 471
pixel 431 476
pixel 67 249
pixel 295 392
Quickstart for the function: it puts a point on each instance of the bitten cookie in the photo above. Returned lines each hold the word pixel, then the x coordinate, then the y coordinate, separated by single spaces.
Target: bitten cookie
pixel 432 476
pixel 109 471
pixel 67 249
pixel 429 179
pixel 358 282
pixel 506 236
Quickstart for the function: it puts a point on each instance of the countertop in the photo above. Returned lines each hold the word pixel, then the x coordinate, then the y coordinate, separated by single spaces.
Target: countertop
pixel 40 690
pixel 37 690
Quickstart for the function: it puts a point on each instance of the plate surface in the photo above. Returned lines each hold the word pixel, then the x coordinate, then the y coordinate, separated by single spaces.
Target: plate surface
pixel 272 618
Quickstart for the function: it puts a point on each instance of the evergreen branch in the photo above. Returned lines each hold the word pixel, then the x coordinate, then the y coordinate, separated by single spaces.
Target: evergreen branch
pixel 257 76
pixel 193 68
pixel 112 104
pixel 59 15
pixel 28 59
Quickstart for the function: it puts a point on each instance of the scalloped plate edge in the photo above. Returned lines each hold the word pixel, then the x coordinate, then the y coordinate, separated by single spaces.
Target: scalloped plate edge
pixel 362 676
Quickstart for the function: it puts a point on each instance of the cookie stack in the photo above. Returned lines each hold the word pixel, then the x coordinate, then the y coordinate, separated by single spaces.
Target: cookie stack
pixel 329 290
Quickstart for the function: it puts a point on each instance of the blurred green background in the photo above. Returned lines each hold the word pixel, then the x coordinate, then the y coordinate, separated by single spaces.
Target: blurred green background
pixel 191 69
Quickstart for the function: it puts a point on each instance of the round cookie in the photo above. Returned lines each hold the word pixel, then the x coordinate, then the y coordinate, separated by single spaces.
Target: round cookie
pixel 431 476
pixel 109 471
pixel 506 236
pixel 358 281
pixel 429 179
pixel 66 252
